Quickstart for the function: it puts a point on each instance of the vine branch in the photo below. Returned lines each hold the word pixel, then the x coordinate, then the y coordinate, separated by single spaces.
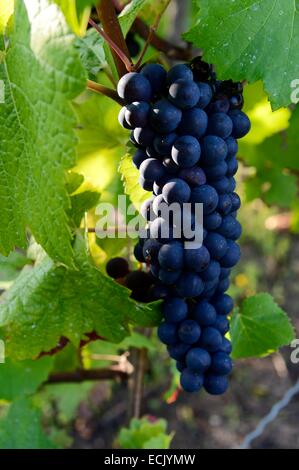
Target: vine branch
pixel 83 375
pixel 108 17
pixel 103 90
pixel 63 342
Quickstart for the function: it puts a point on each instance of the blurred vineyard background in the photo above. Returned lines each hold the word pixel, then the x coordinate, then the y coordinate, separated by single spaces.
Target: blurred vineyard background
pixel 92 414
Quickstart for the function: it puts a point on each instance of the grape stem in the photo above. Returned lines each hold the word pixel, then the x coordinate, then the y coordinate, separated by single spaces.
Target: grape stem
pixel 121 55
pixel 152 30
pixel 170 50
pixel 103 90
pixel 109 21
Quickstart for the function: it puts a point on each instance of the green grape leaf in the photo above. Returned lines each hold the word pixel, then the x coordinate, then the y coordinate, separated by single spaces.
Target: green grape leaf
pixel 73 181
pixel 130 177
pixel 11 265
pixel 76 13
pixel 129 13
pixel 19 378
pixel 67 398
pixel 273 186
pixel 259 328
pixel 281 149
pixel 37 129
pixel 92 53
pixel 239 37
pixel 81 203
pixel 7 7
pixel 137 340
pixel 21 428
pixel 50 301
pixel 145 434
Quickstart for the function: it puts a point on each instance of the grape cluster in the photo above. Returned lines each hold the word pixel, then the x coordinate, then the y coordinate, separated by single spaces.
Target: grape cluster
pixel 185 124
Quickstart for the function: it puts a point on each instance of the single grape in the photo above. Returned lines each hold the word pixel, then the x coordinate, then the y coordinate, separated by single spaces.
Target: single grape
pixel 206 195
pixel 139 157
pixel 221 363
pixel 224 273
pixel 156 75
pixel 184 93
pixel 215 384
pixel 163 143
pixel 158 205
pixel 178 351
pixel 204 313
pixel 232 166
pixel 214 150
pixel 219 106
pixel 224 204
pixel 232 146
pixel 138 253
pixel 191 381
pixel 179 71
pixel 212 221
pixel 198 360
pixel 241 123
pixel 223 304
pixel 134 87
pixel 138 281
pixel 161 229
pixel 197 259
pixel 230 228
pixel 194 122
pixel 210 339
pixel 171 256
pixel 220 124
pixel 186 151
pixel 222 185
pixel 205 94
pixel 175 309
pixel 212 272
pixel 189 285
pixel 236 101
pixel 189 331
pixel 144 136
pixel 117 268
pixel 147 185
pixel 176 190
pixel 235 202
pixel 122 119
pixel 221 324
pixel 165 117
pixel 168 277
pixel 222 286
pixel 151 249
pixel 194 176
pixel 232 256
pixel 217 171
pixel 232 184
pixel 146 208
pixel 226 346
pixel 217 245
pixel 167 333
pixel 136 114
pixel 152 169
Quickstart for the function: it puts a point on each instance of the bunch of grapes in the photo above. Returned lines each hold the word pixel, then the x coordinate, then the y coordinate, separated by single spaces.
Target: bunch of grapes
pixel 185 124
